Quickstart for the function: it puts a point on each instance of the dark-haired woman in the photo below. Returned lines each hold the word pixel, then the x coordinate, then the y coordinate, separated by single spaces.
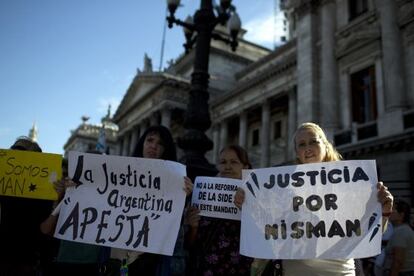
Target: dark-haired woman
pixel 156 143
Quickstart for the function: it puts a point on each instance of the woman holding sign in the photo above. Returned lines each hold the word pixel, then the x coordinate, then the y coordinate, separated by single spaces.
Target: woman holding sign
pixel 155 143
pixel 312 146
pixel 216 241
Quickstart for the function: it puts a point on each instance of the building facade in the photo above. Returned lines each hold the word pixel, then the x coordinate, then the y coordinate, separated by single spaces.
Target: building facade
pixel 347 65
pixel 85 137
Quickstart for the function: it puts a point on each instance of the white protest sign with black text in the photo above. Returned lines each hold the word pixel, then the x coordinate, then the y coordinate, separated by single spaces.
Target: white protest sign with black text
pixel 214 197
pixel 123 202
pixel 324 210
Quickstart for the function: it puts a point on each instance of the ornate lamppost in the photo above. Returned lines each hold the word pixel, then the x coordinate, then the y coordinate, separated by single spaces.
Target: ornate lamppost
pixel 200 31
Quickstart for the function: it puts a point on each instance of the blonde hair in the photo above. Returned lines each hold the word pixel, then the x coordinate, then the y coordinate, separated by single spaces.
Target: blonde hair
pixel 331 153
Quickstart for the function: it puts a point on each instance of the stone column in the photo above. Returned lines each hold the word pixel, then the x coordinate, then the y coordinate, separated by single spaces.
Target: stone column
pixel 223 134
pixel 306 63
pixel 144 125
pixel 243 129
pixel 216 141
pixel 292 125
pixel 154 119
pixel 379 82
pixel 394 75
pixel 345 109
pixel 127 139
pixel 265 135
pixel 166 117
pixel 410 68
pixel 120 145
pixel 329 95
pixel 134 140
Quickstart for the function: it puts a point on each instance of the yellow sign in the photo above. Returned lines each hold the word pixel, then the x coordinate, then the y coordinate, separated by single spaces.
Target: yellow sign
pixel 29 174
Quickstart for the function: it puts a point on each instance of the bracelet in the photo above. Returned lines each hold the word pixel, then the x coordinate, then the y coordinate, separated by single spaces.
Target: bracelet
pixel 386 214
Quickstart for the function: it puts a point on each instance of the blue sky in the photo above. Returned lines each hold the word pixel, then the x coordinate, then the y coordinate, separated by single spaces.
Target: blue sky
pixel 62 59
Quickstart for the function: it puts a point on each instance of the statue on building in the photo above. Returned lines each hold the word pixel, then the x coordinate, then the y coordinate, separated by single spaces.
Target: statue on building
pixel 147 64
pixel 84 119
pixel 33 132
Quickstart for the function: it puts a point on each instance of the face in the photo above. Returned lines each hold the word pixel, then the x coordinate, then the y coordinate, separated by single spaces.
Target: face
pixel 396 218
pixel 309 147
pixel 230 165
pixel 153 146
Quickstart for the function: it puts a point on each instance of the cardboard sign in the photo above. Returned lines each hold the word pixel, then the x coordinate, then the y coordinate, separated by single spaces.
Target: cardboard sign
pixel 214 197
pixel 123 202
pixel 323 210
pixel 29 174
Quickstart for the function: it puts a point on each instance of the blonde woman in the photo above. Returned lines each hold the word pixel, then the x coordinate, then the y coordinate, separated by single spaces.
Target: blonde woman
pixel 312 146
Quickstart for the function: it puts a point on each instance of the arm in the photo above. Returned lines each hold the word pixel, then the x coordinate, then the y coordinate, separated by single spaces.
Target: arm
pixel 188 186
pixel 387 201
pixel 239 198
pixel 48 226
pixel 192 218
pixel 398 255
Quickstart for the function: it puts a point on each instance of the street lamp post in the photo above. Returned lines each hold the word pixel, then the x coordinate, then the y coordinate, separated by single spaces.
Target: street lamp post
pixel 200 31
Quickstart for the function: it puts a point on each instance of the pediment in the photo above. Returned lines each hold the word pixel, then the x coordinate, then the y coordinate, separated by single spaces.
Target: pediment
pixel 356 39
pixel 138 89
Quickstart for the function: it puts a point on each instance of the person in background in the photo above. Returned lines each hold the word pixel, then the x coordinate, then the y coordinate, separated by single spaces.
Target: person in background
pixel 23 248
pixel 399 252
pixel 73 258
pixel 215 242
pixel 157 143
pixel 312 146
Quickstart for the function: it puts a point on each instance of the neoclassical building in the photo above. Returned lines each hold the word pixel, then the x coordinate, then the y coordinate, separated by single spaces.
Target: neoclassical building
pixel 347 65
pixel 161 97
pixel 85 137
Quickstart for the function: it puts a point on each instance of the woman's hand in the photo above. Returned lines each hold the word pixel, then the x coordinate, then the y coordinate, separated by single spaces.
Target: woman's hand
pixel 385 198
pixel 61 186
pixel 239 198
pixel 192 217
pixel 48 226
pixel 188 186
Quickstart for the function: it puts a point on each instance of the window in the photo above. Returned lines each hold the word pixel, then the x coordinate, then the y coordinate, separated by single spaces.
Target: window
pixel 277 130
pixel 364 98
pixel 255 137
pixel 356 8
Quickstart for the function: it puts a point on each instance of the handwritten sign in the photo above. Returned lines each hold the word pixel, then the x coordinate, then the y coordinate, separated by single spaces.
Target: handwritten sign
pixel 123 202
pixel 214 197
pixel 323 210
pixel 29 174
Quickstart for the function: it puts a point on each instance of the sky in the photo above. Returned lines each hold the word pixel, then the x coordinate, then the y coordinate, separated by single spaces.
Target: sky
pixel 63 59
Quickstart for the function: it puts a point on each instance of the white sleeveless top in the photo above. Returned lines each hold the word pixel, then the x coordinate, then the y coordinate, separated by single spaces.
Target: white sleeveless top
pixel 318 267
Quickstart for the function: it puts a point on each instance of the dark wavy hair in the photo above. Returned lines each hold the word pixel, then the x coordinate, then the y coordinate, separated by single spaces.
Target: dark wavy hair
pixel 404 208
pixel 27 144
pixel 169 153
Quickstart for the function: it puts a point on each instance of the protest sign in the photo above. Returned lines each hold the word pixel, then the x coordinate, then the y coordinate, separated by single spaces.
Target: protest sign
pixel 29 174
pixel 123 202
pixel 322 210
pixel 214 197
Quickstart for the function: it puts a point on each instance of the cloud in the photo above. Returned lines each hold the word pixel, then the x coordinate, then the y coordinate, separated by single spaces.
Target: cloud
pixel 264 29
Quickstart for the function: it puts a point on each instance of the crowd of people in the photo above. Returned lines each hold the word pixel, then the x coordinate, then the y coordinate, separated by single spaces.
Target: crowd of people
pixel 204 246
